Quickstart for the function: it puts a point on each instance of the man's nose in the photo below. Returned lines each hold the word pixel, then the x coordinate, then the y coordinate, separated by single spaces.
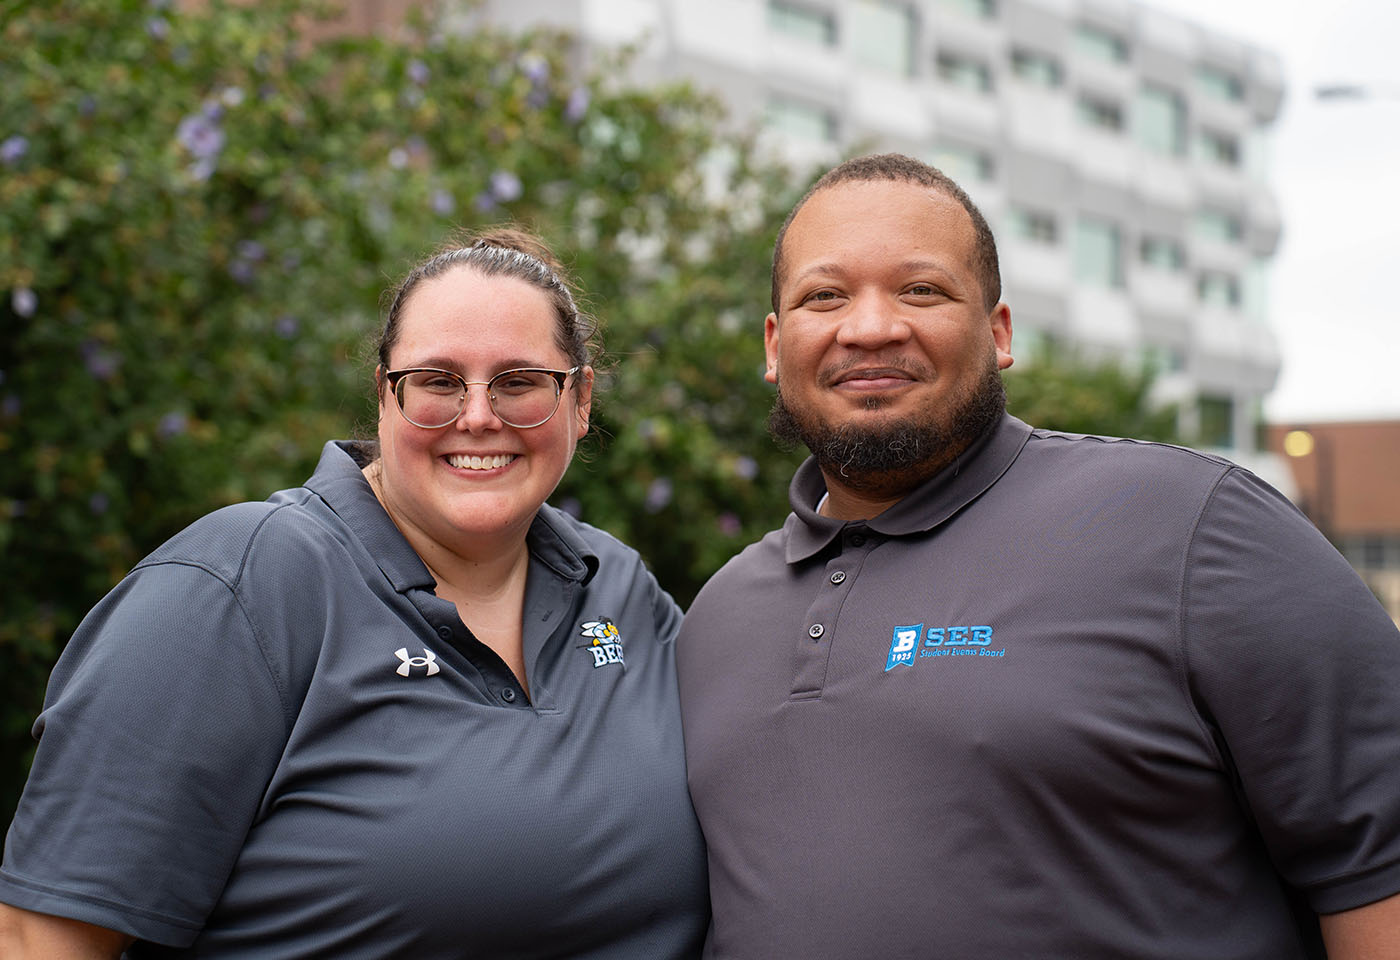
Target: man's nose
pixel 871 322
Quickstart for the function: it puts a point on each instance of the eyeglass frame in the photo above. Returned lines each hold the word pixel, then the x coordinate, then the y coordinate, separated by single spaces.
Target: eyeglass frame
pixel 394 377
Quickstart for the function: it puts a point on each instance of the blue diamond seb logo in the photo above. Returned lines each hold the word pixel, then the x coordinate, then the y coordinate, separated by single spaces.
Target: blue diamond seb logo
pixel 904 645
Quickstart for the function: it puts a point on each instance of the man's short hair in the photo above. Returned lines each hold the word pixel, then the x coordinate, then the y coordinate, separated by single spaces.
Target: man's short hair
pixel 899 168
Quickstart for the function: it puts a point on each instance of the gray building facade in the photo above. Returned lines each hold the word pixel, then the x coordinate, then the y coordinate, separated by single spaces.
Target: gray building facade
pixel 1119 153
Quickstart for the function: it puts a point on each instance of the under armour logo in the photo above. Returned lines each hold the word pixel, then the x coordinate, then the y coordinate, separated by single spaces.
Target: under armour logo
pixel 426 660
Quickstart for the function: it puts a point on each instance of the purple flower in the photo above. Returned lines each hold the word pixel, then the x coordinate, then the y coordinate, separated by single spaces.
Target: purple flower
pixel 287 326
pixel 443 203
pixel 242 271
pixel 87 106
pixel 13 149
pixel 484 202
pixel 534 66
pixel 505 186
pixel 746 467
pixel 658 495
pixel 212 110
pixel 102 364
pixel 729 524
pixel 202 137
pixel 577 105
pixel 158 28
pixel 98 503
pixel 24 302
pixel 418 72
pixel 251 250
pixel 172 424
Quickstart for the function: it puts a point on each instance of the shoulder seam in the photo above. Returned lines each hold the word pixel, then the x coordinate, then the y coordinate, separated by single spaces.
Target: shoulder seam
pixel 1183 603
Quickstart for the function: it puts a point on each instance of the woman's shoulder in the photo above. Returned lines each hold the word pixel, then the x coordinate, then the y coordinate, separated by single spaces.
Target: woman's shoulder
pixel 224 542
pixel 591 545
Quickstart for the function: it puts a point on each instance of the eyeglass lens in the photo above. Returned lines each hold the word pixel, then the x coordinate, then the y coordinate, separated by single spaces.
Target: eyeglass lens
pixel 520 398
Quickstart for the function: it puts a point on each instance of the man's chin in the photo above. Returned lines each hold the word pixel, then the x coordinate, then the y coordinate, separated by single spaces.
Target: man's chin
pixel 885 449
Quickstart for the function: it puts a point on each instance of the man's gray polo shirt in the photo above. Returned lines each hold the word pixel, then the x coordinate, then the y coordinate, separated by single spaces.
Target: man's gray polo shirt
pixel 1073 697
pixel 273 740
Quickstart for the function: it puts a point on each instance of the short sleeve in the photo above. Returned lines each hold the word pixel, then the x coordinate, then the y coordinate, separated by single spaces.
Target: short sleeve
pixel 667 613
pixel 161 728
pixel 1296 666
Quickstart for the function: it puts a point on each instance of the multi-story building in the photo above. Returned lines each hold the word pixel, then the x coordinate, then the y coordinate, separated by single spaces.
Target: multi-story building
pixel 1118 152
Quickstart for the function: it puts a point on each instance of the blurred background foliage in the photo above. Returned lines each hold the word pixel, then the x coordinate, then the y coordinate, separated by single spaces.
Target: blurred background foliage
pixel 200 208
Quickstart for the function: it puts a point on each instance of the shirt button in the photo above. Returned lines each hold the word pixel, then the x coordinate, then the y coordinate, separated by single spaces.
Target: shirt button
pixel 838 577
pixel 857 540
pixel 508 695
pixel 816 631
pixel 445 632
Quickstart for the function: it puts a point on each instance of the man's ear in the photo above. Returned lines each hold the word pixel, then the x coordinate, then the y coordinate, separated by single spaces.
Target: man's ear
pixel 1001 334
pixel 770 347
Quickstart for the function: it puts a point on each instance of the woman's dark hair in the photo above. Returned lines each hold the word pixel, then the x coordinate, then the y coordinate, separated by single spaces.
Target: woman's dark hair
pixel 501 252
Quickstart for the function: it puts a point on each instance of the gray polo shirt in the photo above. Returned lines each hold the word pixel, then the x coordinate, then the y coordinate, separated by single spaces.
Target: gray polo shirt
pixel 273 740
pixel 1073 697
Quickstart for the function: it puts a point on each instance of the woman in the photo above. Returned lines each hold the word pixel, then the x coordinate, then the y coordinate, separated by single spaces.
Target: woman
pixel 406 710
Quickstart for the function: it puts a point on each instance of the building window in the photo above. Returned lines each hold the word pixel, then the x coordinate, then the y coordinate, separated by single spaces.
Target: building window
pixel 802 23
pixel 1218 83
pixel 964 72
pixel 1217 420
pixel 801 121
pixel 1160 358
pixel 1218 226
pixel 979 9
pixel 963 164
pixel 882 36
pixel 1101 44
pixel 1217 288
pixel 1035 226
pixel 1218 148
pixel 1095 111
pixel 1161 120
pixel 1036 68
pixel 1098 257
pixel 1161 253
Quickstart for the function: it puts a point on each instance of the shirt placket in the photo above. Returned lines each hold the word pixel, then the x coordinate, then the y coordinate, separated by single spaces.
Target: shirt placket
pixel 820 626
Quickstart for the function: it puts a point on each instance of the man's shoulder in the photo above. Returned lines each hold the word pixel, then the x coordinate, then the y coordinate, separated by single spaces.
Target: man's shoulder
pixel 746 571
pixel 1114 457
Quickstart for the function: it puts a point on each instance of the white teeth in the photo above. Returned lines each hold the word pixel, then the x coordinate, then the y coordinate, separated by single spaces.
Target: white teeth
pixel 480 463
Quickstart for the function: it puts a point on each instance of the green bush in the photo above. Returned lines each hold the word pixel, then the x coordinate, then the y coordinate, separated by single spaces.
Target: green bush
pixel 199 210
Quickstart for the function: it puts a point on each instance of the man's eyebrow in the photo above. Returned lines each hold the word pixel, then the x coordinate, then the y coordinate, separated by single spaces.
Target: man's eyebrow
pixel 839 271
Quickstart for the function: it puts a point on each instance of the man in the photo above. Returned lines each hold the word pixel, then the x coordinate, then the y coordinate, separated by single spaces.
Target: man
pixel 998 692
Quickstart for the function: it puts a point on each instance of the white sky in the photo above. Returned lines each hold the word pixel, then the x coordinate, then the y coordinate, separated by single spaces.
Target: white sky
pixel 1334 297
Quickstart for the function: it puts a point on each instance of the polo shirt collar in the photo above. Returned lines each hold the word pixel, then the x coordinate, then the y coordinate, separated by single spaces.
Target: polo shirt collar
pixel 925 507
pixel 340 483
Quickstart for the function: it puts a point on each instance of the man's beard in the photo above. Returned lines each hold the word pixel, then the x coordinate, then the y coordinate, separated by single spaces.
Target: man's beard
pixel 891 458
